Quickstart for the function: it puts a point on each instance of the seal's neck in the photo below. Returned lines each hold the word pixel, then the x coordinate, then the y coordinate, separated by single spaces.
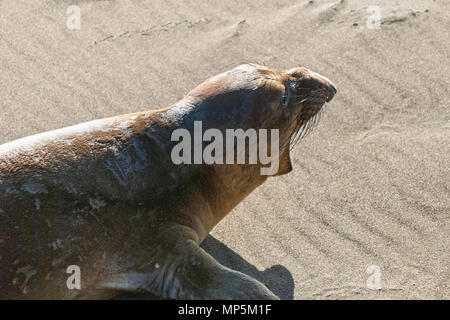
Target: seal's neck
pixel 228 185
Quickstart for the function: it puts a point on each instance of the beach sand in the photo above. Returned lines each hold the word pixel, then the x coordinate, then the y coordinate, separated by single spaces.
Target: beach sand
pixel 370 185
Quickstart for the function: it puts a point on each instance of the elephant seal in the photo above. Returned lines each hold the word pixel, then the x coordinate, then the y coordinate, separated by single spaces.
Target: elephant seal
pixel 104 201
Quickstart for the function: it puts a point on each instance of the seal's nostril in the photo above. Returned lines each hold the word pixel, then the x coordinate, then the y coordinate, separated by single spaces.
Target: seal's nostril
pixel 333 89
pixel 332 92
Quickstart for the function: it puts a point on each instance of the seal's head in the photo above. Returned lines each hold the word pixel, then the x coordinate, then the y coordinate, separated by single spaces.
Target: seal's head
pixel 305 92
pixel 254 96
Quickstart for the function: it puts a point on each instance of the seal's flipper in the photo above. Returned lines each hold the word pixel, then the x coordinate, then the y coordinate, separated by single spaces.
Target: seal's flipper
pixel 189 274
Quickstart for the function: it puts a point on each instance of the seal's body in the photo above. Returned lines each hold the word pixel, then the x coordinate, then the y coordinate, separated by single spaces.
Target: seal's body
pixel 106 197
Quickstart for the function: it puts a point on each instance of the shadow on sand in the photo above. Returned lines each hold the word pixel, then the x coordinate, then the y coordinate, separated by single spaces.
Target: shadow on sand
pixel 277 278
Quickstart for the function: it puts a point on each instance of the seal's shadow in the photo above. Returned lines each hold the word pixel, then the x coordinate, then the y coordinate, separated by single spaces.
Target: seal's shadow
pixel 277 278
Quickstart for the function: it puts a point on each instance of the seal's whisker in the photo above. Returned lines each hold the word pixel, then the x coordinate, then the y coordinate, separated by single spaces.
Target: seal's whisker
pixel 299 134
pixel 294 125
pixel 304 129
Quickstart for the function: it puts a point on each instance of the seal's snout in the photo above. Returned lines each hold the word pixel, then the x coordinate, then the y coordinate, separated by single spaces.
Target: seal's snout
pixel 332 92
pixel 325 84
pixel 313 84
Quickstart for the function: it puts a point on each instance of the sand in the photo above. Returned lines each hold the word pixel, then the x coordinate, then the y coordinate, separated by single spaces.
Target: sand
pixel 369 185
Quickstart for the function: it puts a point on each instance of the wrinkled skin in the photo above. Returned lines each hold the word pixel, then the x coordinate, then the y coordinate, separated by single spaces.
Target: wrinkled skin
pixel 105 195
